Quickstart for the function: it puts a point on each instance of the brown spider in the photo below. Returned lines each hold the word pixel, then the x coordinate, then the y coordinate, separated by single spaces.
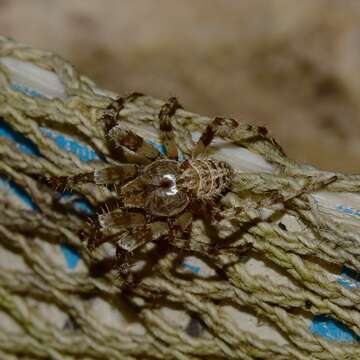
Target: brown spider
pixel 159 199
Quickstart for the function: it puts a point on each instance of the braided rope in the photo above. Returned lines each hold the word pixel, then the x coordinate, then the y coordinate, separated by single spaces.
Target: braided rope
pixel 301 255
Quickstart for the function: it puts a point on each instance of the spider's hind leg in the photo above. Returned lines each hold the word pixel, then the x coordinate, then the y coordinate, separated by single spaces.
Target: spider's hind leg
pixel 167 136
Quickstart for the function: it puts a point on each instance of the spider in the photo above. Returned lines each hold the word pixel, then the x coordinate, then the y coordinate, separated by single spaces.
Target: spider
pixel 159 199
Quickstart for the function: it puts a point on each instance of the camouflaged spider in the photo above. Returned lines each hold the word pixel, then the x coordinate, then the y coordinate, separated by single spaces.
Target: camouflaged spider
pixel 158 199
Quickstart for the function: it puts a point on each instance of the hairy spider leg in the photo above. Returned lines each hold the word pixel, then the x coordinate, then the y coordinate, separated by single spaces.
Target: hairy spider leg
pixel 312 184
pixel 233 215
pixel 288 200
pixel 167 136
pixel 132 240
pixel 210 132
pixel 124 262
pixel 117 174
pixel 95 237
pixel 138 236
pixel 229 127
pixel 133 142
pixel 120 218
pixel 110 226
pixel 181 225
pixel 112 112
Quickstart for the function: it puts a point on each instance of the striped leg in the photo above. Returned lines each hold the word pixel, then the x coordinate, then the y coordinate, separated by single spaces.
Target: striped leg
pixel 181 224
pixel 210 132
pixel 136 237
pixel 195 247
pixel 124 137
pixel 117 174
pixel 133 142
pixel 94 236
pixel 120 219
pixel 128 230
pixel 132 240
pixel 167 136
pixel 111 226
pixel 112 112
pixel 232 129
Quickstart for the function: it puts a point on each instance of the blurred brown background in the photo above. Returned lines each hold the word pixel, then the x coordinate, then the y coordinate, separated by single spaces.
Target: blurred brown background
pixel 290 65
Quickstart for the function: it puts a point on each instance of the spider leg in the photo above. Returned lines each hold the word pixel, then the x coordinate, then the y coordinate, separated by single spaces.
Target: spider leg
pixel 181 225
pixel 130 140
pixel 96 237
pixel 138 236
pixel 210 132
pixel 133 239
pixel 167 136
pixel 232 129
pixel 119 219
pixel 112 112
pixel 238 216
pixel 128 230
pixel 124 137
pixel 311 185
pixel 110 226
pixel 117 174
pixel 124 262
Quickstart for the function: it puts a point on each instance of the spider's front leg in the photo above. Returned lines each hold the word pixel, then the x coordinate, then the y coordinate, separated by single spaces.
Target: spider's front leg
pixel 111 114
pixel 167 136
pixel 117 174
pixel 124 137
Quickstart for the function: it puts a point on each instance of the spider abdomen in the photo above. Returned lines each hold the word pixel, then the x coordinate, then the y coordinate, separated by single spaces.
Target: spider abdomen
pixel 205 179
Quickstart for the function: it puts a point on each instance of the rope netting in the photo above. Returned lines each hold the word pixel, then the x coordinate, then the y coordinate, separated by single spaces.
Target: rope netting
pixel 282 214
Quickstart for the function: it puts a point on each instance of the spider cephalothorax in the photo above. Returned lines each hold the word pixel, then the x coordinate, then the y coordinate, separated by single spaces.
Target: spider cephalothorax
pixel 158 199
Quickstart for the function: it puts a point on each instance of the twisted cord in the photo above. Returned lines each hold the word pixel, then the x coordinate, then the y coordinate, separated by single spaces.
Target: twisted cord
pixel 297 255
